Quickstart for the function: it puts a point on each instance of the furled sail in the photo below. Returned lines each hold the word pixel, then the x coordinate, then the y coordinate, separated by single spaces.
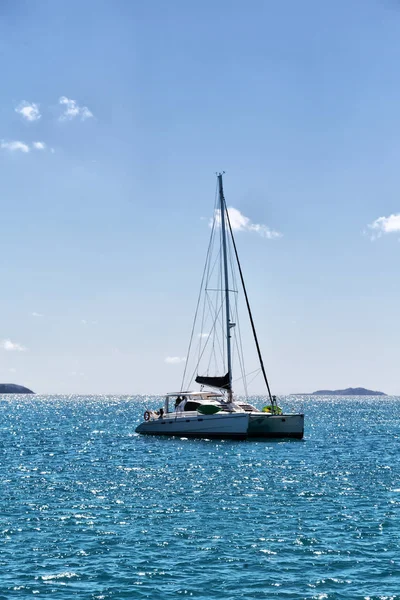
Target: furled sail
pixel 217 382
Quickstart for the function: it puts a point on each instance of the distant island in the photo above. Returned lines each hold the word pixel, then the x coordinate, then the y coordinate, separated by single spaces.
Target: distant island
pixel 12 388
pixel 348 392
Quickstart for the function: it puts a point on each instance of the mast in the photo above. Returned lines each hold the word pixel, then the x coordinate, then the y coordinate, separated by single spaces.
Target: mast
pixel 226 283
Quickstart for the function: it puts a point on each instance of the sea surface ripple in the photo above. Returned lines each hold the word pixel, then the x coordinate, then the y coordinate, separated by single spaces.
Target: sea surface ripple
pixel 91 510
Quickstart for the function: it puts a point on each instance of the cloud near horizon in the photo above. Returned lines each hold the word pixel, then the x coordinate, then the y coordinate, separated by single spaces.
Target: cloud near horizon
pixel 72 110
pixel 28 111
pixel 239 222
pixel 10 346
pixel 174 360
pixel 384 225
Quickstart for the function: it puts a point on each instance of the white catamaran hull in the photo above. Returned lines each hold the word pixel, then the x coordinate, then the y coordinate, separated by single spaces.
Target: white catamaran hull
pixel 231 426
pixel 276 426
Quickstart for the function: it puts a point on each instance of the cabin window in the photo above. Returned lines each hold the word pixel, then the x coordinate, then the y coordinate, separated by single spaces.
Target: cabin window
pixel 191 405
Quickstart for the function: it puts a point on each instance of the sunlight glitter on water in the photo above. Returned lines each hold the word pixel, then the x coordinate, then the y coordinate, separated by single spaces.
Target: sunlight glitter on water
pixel 91 510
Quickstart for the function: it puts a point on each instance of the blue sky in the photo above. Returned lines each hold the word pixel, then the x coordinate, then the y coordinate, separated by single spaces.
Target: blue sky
pixel 104 223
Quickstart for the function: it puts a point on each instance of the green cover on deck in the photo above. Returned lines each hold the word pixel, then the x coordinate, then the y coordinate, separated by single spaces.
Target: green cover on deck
pixel 208 409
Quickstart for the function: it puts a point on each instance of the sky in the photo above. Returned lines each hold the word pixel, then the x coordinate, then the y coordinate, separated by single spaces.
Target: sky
pixel 114 118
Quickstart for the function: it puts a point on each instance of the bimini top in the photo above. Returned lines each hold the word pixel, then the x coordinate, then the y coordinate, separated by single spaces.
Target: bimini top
pixel 197 394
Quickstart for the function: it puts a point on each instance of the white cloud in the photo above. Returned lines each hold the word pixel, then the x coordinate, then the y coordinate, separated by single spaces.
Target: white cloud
pixel 30 112
pixel 36 314
pixel 240 222
pixel 12 370
pixel 203 335
pixel 85 113
pixel 385 225
pixel 14 146
pixel 174 360
pixel 12 346
pixel 72 110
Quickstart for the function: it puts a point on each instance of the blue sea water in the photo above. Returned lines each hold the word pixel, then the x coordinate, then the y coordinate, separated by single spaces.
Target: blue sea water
pixel 91 510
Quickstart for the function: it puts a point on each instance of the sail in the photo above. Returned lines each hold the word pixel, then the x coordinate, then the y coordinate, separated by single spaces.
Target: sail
pixel 222 382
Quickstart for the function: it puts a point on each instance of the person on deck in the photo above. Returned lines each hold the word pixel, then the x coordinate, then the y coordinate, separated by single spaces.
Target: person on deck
pixel 181 405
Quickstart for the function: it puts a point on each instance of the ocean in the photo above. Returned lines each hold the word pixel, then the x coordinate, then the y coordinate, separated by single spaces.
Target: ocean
pixel 91 510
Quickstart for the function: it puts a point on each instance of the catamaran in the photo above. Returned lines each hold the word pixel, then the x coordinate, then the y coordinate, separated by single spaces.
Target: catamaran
pixel 218 412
